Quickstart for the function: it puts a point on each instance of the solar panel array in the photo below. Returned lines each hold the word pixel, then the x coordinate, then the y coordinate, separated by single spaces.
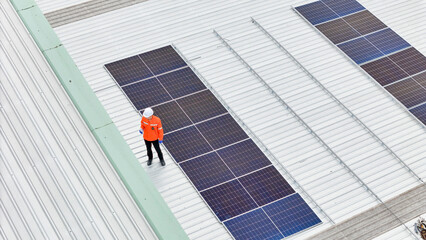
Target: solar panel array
pixel 231 173
pixel 382 53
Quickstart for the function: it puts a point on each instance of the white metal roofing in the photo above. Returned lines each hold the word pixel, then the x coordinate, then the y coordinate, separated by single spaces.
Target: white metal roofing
pixel 55 181
pixel 364 147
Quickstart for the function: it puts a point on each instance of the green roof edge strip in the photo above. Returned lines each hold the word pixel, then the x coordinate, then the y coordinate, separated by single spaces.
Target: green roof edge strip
pixel 137 182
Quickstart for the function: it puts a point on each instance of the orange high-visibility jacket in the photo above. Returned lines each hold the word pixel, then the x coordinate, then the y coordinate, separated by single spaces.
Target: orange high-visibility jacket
pixel 152 129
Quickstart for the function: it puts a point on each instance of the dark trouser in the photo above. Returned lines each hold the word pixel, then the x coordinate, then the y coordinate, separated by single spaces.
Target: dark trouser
pixel 156 146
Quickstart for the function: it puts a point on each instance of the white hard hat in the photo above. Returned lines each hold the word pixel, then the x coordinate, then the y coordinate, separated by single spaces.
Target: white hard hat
pixel 148 112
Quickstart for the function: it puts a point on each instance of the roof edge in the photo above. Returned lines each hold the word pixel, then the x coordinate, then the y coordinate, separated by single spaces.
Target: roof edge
pixel 137 182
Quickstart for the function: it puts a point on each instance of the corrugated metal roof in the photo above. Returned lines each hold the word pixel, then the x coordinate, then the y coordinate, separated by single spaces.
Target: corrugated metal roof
pixel 55 181
pixel 375 145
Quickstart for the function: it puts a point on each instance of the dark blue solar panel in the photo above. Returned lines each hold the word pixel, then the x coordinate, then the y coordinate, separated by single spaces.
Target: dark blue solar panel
pixel 206 171
pixel 266 185
pixel 201 106
pixel 244 157
pixel 253 225
pixel 291 214
pixel 181 82
pixel 387 41
pixel 316 12
pixel 146 93
pixel 222 131
pixel 360 50
pixel 128 70
pixel 228 200
pixel 420 113
pixel 162 60
pixel 343 7
pixel 172 117
pixel 186 143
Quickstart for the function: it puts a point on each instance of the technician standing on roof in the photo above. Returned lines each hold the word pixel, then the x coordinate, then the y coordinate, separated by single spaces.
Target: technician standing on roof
pixel 152 131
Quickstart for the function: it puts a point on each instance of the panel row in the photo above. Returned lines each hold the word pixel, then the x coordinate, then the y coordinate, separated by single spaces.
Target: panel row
pixel 381 52
pixel 228 169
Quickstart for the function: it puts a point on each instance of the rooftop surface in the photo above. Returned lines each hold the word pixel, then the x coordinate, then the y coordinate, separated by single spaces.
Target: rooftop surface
pixel 348 145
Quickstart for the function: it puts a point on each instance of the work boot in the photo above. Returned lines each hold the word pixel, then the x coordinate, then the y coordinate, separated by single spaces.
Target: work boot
pixel 149 162
pixel 163 163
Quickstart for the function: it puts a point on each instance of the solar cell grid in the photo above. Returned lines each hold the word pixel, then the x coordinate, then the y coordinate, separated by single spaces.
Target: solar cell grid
pixel 384 71
pixel 364 22
pixel 128 70
pixel 162 60
pixel 172 116
pixel 228 200
pixel 146 93
pixel 420 113
pixel 201 106
pixel 387 41
pixel 181 82
pixel 266 185
pixel 360 50
pixel 337 31
pixel 186 143
pixel 244 157
pixel 410 60
pixel 253 225
pixel 343 7
pixel 408 92
pixel 317 12
pixel 291 214
pixel 207 171
pixel 222 131
pixel 421 79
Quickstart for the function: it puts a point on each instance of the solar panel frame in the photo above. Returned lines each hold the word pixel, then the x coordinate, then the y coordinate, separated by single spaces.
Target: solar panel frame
pixel 360 50
pixel 343 7
pixel 325 15
pixel 364 22
pixel 181 82
pixel 421 79
pixel 172 116
pixel 408 92
pixel 384 71
pixel 337 31
pixel 162 60
pixel 387 41
pixel 410 60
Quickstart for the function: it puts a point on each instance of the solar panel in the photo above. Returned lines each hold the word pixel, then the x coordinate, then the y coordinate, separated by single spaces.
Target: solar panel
pixel 338 31
pixel 343 7
pixel 421 79
pixel 211 148
pixel 207 171
pixel 387 41
pixel 380 51
pixel 243 157
pixel 291 214
pixel 420 113
pixel 172 116
pixel 146 93
pixel 266 185
pixel 128 70
pixel 317 12
pixel 364 22
pixel 253 225
pixel 384 71
pixel 201 106
pixel 182 82
pixel 360 50
pixel 228 200
pixel 186 143
pixel 222 131
pixel 410 60
pixel 162 60
pixel 408 92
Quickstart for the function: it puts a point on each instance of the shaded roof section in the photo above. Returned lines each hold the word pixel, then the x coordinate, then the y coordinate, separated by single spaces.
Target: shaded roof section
pixel 55 182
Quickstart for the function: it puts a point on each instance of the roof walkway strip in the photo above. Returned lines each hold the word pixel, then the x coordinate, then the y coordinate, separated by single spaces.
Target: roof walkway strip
pixel 137 182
